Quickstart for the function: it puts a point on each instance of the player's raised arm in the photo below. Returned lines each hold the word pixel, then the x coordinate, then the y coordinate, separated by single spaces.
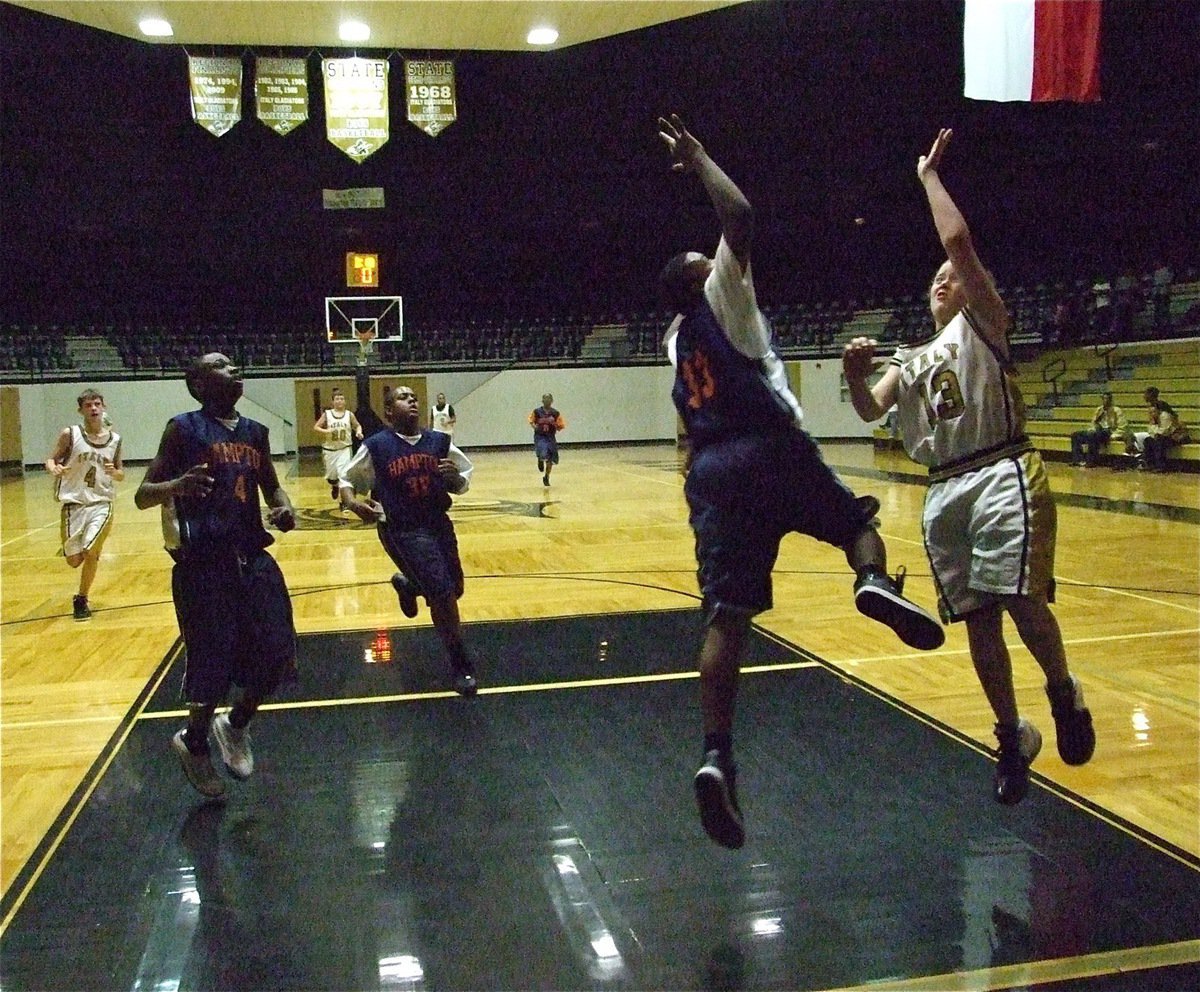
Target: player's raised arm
pixel 981 297
pixel 731 205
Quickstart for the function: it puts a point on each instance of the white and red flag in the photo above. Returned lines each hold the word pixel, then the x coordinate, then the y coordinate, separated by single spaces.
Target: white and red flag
pixel 1032 50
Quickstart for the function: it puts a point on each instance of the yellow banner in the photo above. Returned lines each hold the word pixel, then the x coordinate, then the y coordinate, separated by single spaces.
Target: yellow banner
pixel 356 104
pixel 281 93
pixel 429 93
pixel 216 88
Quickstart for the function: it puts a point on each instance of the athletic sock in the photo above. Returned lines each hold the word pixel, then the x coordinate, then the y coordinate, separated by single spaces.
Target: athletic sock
pixel 719 742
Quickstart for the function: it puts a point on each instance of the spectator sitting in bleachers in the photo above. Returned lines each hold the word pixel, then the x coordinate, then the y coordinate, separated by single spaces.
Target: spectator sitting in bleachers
pixel 1165 431
pixel 1108 421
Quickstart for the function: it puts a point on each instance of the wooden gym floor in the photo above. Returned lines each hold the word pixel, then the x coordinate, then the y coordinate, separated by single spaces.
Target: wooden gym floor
pixel 543 834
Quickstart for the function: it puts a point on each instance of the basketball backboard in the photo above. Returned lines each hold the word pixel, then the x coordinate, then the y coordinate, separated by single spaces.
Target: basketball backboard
pixel 363 319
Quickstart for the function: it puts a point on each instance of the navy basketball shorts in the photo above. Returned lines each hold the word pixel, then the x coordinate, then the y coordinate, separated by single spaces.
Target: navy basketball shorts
pixel 235 616
pixel 427 556
pixel 546 446
pixel 744 494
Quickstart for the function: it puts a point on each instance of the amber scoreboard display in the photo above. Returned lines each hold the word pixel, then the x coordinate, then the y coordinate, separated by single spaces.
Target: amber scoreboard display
pixel 362 270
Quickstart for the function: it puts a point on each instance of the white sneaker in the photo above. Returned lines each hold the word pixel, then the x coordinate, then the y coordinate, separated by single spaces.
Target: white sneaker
pixel 234 746
pixel 198 768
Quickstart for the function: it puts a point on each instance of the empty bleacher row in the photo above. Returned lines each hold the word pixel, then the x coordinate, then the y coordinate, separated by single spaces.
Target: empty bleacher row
pixel 142 349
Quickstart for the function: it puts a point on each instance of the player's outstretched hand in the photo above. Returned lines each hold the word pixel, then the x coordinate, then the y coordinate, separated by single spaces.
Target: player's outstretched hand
pixel 684 148
pixel 858 359
pixel 930 162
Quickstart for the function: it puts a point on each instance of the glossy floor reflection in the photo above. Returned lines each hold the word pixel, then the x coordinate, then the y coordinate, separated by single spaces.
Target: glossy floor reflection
pixel 543 836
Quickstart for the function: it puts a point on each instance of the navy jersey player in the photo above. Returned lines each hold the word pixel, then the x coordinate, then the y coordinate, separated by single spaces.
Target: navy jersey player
pixel 409 474
pixel 754 474
pixel 546 423
pixel 231 601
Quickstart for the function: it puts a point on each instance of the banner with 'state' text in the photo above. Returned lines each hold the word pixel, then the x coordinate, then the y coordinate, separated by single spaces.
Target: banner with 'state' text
pixel 281 93
pixel 216 92
pixel 356 104
pixel 429 93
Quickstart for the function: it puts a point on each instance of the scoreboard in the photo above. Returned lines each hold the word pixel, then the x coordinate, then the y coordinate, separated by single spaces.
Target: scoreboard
pixel 362 270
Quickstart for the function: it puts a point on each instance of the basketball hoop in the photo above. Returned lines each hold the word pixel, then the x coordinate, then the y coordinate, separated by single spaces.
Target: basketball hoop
pixel 365 321
pixel 366 333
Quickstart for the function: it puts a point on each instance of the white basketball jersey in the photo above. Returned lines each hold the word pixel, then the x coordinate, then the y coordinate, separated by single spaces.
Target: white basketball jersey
pixel 85 480
pixel 958 398
pixel 439 418
pixel 340 425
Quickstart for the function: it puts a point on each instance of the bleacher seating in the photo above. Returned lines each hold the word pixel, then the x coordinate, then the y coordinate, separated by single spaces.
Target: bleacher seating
pixel 1063 388
pixel 155 347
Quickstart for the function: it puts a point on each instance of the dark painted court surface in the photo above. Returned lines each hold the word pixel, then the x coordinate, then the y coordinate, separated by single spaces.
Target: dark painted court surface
pixel 543 836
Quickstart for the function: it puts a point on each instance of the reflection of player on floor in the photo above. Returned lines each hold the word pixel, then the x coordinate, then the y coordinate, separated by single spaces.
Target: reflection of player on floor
pixel 230 597
pixel 546 423
pixel 410 474
pixel 338 425
pixel 755 474
pixel 989 520
pixel 85 463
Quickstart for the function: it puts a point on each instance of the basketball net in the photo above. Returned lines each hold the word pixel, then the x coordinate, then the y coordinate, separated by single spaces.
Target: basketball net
pixel 366 342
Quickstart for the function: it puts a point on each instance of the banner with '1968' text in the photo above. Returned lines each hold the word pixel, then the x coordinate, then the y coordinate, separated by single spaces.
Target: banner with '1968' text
pixel 429 93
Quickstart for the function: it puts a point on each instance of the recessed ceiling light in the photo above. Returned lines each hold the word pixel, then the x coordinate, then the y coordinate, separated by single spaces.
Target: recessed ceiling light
pixel 155 27
pixel 542 36
pixel 353 31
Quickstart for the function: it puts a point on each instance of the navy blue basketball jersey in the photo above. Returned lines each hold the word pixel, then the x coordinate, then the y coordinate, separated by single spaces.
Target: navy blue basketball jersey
pixel 230 517
pixel 407 480
pixel 718 391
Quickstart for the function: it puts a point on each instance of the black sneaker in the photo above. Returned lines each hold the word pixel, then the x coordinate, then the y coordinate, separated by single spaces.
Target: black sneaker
pixel 1076 737
pixel 1019 745
pixel 408 597
pixel 541 465
pixel 546 479
pixel 80 608
pixel 879 597
pixel 716 796
pixel 464 682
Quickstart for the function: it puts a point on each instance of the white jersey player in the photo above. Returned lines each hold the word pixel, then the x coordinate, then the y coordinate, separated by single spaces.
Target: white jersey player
pixel 989 519
pixel 441 416
pixel 86 465
pixel 339 426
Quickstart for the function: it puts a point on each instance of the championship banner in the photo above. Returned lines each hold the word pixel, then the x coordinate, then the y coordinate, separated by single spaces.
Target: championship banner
pixel 429 89
pixel 216 92
pixel 281 93
pixel 356 104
